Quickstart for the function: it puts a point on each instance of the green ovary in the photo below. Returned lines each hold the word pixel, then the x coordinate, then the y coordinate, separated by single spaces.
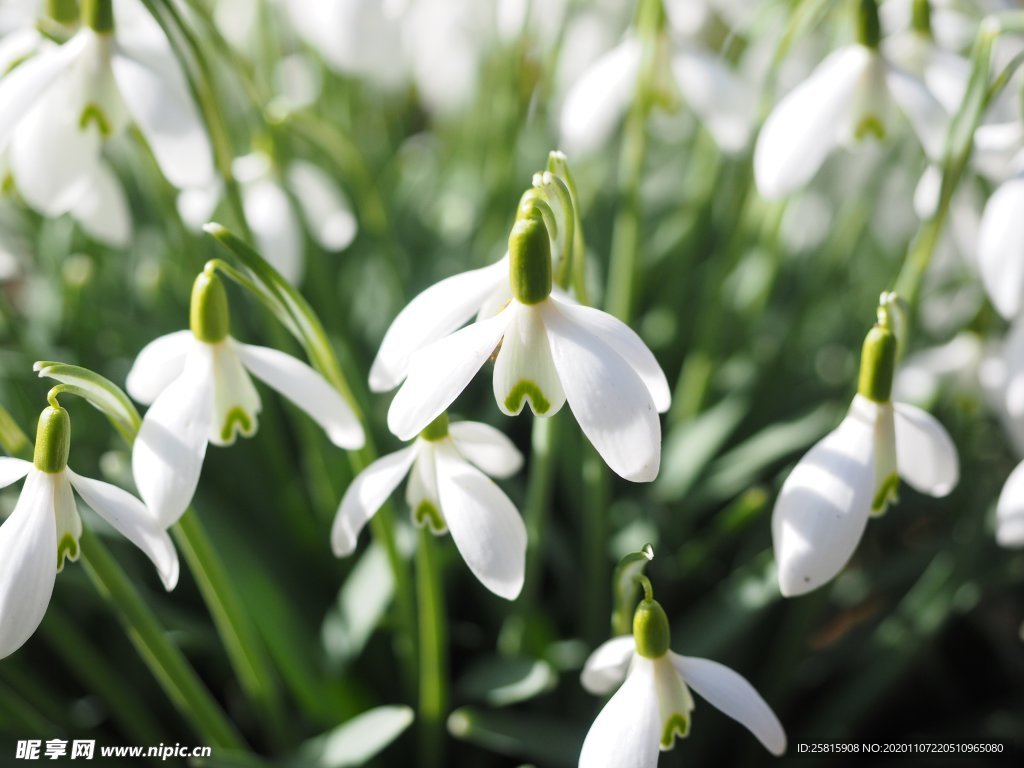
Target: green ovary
pixel 236 416
pixel 67 548
pixel 527 390
pixel 426 514
pixel 677 726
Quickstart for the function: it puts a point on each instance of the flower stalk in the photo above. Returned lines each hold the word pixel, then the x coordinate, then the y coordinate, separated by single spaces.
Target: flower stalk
pixel 433 665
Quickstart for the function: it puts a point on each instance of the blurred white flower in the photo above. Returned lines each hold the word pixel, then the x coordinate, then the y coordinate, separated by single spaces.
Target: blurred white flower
pixel 44 528
pixel 1010 510
pixel 1000 151
pixel 198 386
pixel 922 374
pixel 448 493
pixel 652 706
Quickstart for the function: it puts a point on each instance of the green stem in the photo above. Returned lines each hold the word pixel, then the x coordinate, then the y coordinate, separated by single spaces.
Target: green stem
pixel 165 660
pixel 596 566
pixel 433 653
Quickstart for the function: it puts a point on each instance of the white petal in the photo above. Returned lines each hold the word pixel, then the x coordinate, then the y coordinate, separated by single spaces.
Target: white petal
pixel 236 403
pixel 926 115
pixel 28 562
pixel 158 364
pixel 1010 510
pixel 823 506
pixel 328 214
pixel 12 470
pixel 103 210
pixel 438 373
pixel 432 315
pixel 421 493
pixel 524 371
pixel 926 193
pixel 995 147
pixel 598 100
pixel 606 667
pixel 729 692
pixel 157 95
pixel 197 205
pixel 486 447
pixel 365 495
pixel 130 517
pixel 1001 248
pixel 722 100
pixel 805 126
pixel 485 525
pixel 627 732
pixel 607 397
pixel 308 390
pixel 624 340
pixel 276 227
pixel 925 454
pixel 168 454
pixel 675 704
pixel 68 521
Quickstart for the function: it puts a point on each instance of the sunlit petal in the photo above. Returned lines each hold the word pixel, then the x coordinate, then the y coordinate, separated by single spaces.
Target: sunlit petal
pixel 365 495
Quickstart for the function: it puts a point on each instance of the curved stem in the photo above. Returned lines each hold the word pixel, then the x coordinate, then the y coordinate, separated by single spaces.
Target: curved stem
pixel 433 652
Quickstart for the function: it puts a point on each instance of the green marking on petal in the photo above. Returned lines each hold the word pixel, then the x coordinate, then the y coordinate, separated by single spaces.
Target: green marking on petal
pixel 93 113
pixel 871 125
pixel 523 390
pixel 426 514
pixel 887 493
pixel 7 184
pixel 677 726
pixel 236 416
pixel 66 548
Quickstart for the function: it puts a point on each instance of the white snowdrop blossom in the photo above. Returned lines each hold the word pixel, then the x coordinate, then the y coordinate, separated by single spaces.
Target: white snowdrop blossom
pixel 43 530
pixel 548 350
pixel 199 389
pixel 447 491
pixel 653 705
pixel 854 472
pixel 850 97
pixel 1010 510
pixel 684 71
pixel 63 103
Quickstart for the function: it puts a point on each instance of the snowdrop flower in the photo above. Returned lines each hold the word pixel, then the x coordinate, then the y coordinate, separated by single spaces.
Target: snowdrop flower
pixel 683 70
pixel 44 528
pixel 653 705
pixel 271 215
pixel 448 493
pixel 198 386
pixel 846 100
pixel 1010 510
pixel 63 103
pixel 1001 233
pixel 549 351
pixel 854 472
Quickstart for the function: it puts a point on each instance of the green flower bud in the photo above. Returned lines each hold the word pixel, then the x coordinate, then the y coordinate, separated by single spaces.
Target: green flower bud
pixel 99 15
pixel 209 314
pixel 877 365
pixel 529 248
pixel 437 429
pixel 869 30
pixel 53 440
pixel 64 12
pixel 650 629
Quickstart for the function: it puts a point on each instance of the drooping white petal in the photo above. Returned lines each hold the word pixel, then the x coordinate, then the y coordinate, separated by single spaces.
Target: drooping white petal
pixel 627 731
pixel 236 403
pixel 806 125
pixel 158 98
pixel 924 112
pixel 433 314
pixel 675 704
pixel 925 454
pixel 328 213
pixel 524 371
pixel 599 99
pixel 887 475
pixel 421 493
pixel 438 373
pixel 485 525
pixel 486 447
pixel 168 454
pixel 824 505
pixel 606 667
pixel 130 517
pixel 12 470
pixel 307 389
pixel 102 210
pixel 158 364
pixel 28 562
pixel 624 340
pixel 609 400
pixel 1001 248
pixel 276 227
pixel 68 521
pixel 722 100
pixel 1010 510
pixel 733 695
pixel 365 495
